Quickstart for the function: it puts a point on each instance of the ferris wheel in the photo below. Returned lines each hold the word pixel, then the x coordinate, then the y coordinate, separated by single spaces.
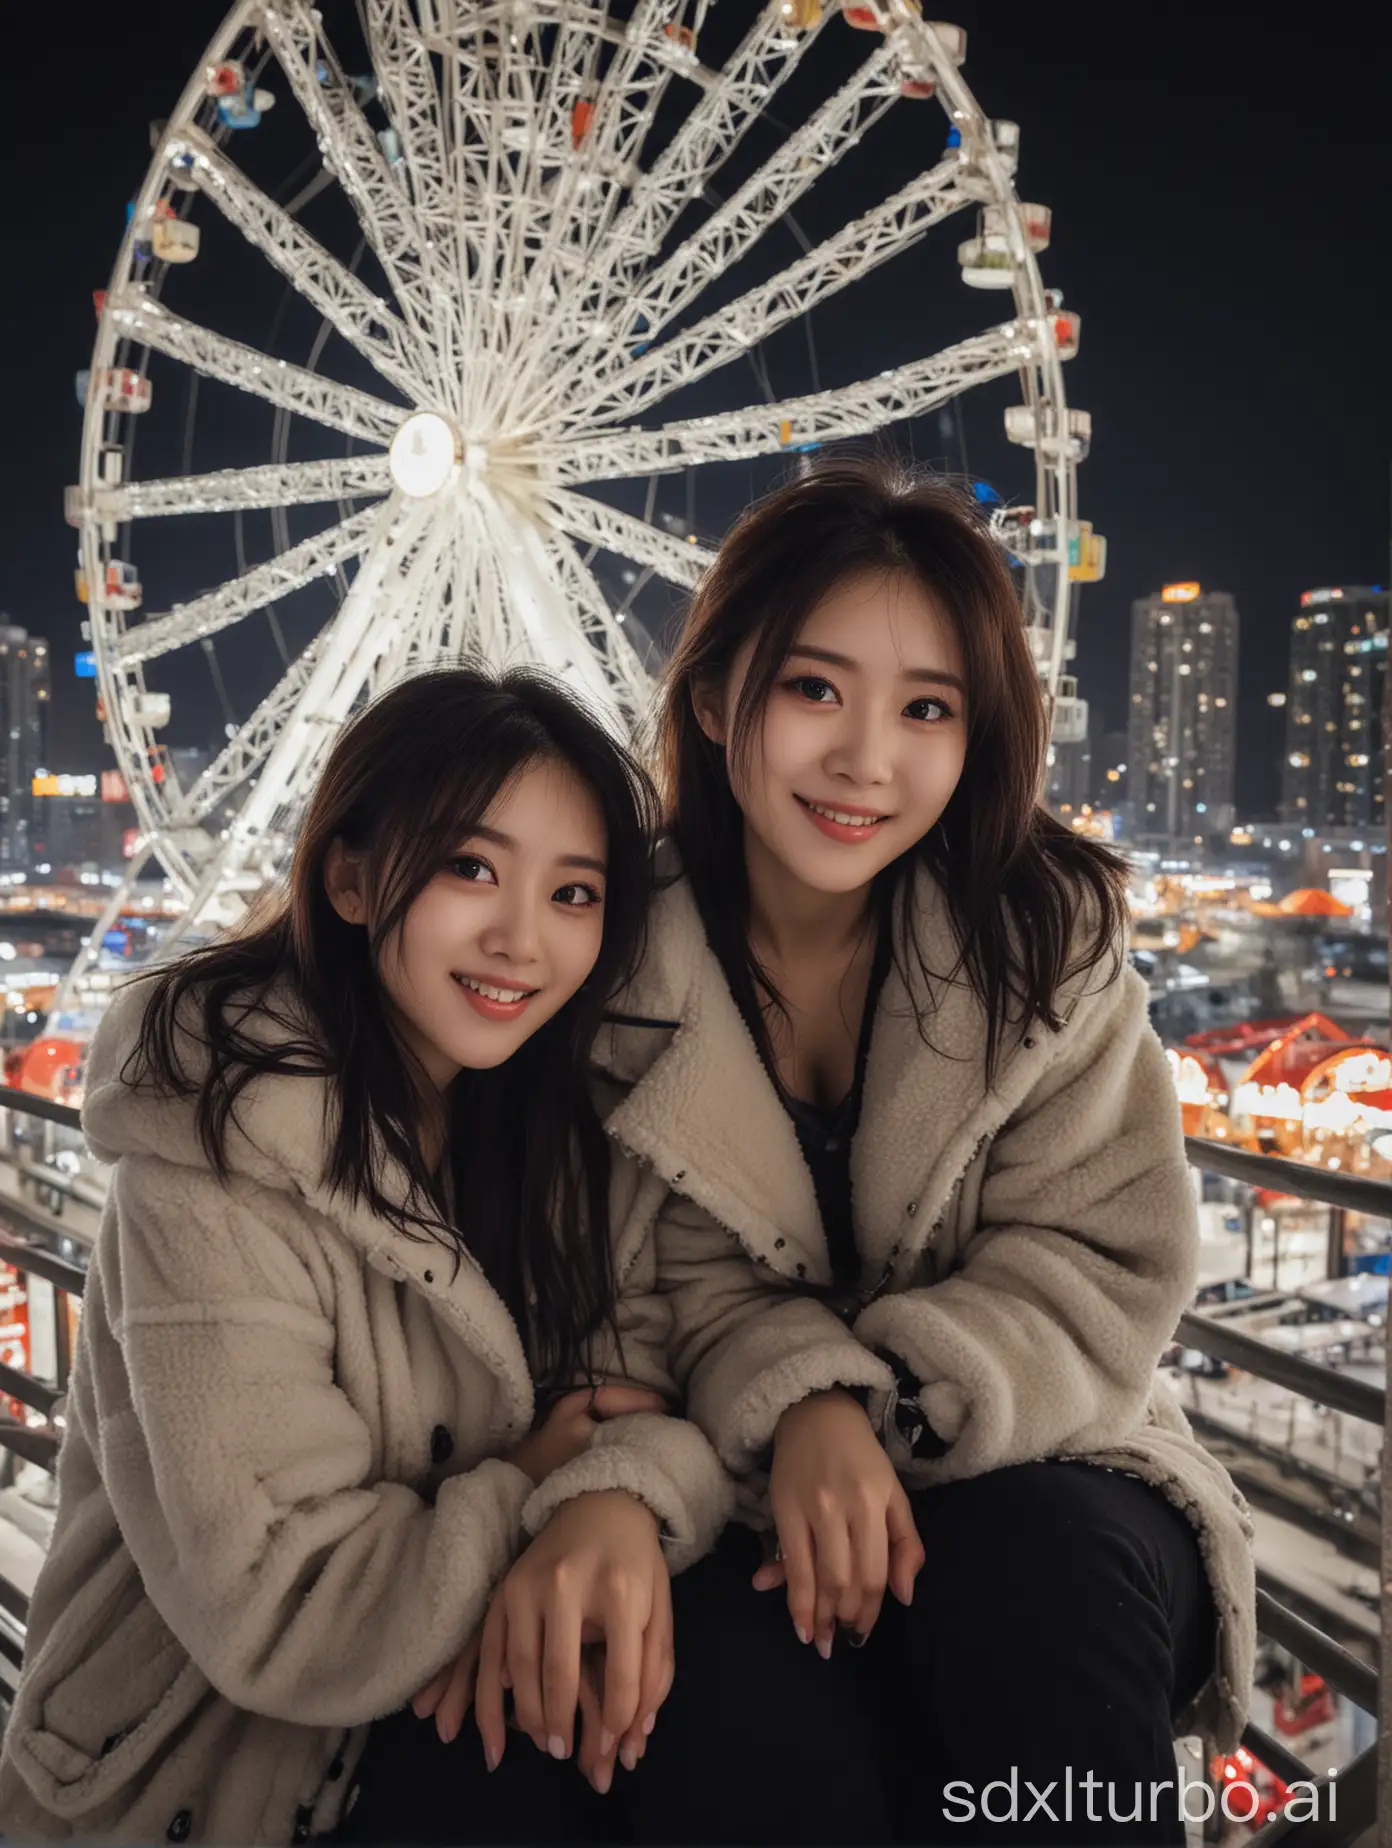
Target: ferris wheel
pixel 535 221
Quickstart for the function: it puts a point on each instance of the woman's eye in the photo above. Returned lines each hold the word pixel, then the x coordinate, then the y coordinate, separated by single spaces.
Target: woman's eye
pixel 469 866
pixel 932 709
pixel 812 687
pixel 578 897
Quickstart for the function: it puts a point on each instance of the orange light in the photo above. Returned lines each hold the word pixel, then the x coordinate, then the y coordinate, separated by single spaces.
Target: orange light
pixel 1179 593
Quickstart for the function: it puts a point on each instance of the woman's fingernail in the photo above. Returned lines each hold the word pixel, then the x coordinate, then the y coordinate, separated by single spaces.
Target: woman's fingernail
pixel 603 1777
pixel 824 1648
pixel 648 1724
pixel 606 1743
pixel 491 1756
pixel 629 1757
pixel 556 1746
pixel 802 1635
pixel 858 1639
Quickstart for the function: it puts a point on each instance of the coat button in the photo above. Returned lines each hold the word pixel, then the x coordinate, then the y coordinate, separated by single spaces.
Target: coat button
pixel 911 1208
pixel 779 1243
pixel 802 1270
pixel 1029 1045
pixel 680 1175
pixel 429 1276
pixel 335 1770
pixel 178 1830
pixel 304 1816
pixel 441 1444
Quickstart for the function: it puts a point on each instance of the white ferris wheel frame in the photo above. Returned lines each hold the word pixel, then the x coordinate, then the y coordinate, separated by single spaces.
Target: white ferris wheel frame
pixel 527 512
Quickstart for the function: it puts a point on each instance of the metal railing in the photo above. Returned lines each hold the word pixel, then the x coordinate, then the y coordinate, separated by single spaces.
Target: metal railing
pixel 24 1244
pixel 27 1243
pixel 1365 1785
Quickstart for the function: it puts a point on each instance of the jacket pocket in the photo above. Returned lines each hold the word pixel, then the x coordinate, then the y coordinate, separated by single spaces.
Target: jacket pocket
pixel 105 1690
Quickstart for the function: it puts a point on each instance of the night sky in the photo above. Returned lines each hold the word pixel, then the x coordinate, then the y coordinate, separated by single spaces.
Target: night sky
pixel 1220 198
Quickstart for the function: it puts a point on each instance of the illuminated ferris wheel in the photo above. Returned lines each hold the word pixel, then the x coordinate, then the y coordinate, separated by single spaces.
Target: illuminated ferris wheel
pixel 516 246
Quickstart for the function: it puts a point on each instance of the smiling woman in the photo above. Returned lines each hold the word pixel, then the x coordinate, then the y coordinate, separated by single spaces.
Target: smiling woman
pixel 922 1211
pixel 354 1264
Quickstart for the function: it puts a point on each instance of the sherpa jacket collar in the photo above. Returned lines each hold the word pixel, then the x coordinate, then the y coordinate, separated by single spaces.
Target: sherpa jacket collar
pixel 704 1114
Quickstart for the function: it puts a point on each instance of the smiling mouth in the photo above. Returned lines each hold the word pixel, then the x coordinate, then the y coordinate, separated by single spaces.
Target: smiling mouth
pixel 493 991
pixel 844 818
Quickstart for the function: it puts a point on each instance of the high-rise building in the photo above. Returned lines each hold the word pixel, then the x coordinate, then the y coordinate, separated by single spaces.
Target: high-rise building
pixel 1332 775
pixel 1182 729
pixel 24 714
pixel 80 825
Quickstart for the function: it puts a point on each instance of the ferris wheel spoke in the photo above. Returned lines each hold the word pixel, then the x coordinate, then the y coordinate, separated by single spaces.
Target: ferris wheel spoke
pixel 592 181
pixel 265 583
pixel 352 153
pixel 795 423
pixel 342 407
pixel 243 755
pixel 760 65
pixel 365 321
pixel 406 76
pixel 340 670
pixel 632 88
pixel 538 252
pixel 230 490
pixel 546 619
pixel 763 200
pixel 594 523
pixel 728 333
pixel 417 633
pixel 629 684
pixel 406 79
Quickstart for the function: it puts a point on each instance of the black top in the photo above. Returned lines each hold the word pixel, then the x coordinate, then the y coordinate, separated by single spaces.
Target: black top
pixel 825 1137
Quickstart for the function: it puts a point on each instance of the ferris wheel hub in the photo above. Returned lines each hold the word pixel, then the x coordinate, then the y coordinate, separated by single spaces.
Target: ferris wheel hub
pixel 425 454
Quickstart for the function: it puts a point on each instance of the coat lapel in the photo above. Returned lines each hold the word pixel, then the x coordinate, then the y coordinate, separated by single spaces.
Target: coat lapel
pixel 277 1139
pixel 704 1114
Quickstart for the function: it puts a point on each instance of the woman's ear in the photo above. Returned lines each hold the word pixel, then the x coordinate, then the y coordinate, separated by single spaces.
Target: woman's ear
pixel 708 703
pixel 345 882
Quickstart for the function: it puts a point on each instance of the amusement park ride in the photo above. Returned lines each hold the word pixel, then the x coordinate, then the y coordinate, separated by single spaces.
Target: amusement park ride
pixel 528 291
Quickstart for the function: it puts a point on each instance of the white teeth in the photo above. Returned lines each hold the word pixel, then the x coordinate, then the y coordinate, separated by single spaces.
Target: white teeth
pixel 490 992
pixel 847 821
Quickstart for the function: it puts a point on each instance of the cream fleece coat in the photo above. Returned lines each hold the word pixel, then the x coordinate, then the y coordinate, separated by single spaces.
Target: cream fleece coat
pixel 282 1499
pixel 1026 1249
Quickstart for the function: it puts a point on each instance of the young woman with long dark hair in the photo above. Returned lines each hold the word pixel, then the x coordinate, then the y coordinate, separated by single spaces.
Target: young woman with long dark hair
pixel 929 1223
pixel 354 1259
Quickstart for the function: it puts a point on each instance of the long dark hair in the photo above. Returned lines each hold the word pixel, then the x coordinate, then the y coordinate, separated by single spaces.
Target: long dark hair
pixel 1015 879
pixel 406 780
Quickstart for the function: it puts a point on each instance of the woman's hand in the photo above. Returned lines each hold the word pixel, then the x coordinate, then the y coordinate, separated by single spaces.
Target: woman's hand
pixel 844 1523
pixel 449 1694
pixel 570 1424
pixel 595 1573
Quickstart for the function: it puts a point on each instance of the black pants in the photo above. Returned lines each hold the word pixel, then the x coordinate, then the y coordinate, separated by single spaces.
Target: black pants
pixel 1061 1621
